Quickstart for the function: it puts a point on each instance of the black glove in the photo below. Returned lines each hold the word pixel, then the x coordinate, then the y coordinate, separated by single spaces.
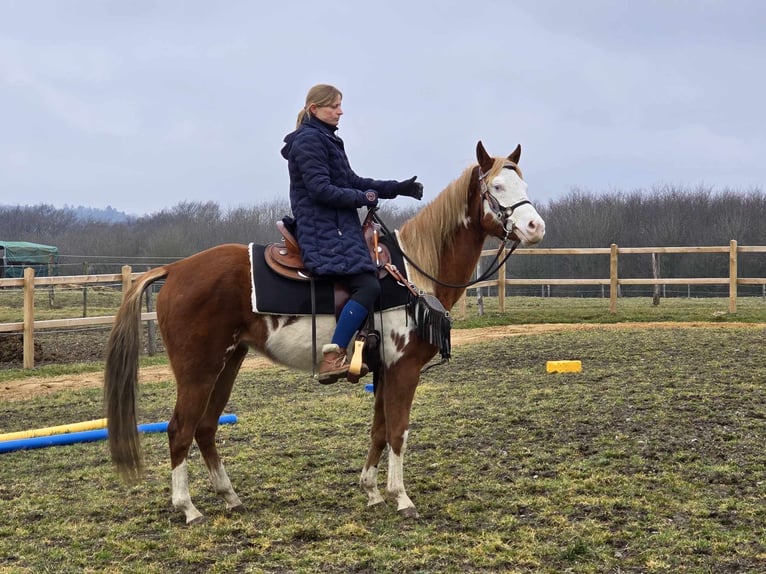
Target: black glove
pixel 410 188
pixel 369 198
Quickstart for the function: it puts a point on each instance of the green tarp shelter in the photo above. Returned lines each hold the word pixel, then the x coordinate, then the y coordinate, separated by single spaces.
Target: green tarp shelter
pixel 16 255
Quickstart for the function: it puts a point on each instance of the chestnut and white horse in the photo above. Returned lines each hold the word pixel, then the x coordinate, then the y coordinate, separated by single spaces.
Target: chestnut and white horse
pixel 206 317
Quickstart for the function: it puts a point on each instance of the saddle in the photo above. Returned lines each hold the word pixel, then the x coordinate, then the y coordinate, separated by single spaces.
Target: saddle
pixel 284 257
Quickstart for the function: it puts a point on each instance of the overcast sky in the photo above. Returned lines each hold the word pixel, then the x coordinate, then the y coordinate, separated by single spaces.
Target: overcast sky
pixel 140 105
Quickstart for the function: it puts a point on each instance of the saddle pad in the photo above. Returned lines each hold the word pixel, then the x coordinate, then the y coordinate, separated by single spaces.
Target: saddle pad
pixel 274 294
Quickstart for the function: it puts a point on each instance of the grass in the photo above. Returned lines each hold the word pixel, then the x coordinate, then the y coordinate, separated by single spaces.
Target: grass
pixel 68 303
pixel 60 303
pixel 649 460
pixel 596 310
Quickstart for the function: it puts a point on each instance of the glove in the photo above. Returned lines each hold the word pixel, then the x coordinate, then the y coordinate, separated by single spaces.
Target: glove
pixel 410 188
pixel 369 198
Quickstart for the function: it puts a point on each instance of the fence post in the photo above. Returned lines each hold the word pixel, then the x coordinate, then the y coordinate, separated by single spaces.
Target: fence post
pixel 126 280
pixel 613 279
pixel 479 294
pixel 29 318
pixel 51 293
pixel 501 288
pixel 85 290
pixel 463 304
pixel 733 276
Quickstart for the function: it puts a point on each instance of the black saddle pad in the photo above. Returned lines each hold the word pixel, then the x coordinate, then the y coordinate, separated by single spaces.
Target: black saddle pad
pixel 274 294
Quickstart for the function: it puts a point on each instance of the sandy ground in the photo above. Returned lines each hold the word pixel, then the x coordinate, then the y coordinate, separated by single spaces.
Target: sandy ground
pixel 33 386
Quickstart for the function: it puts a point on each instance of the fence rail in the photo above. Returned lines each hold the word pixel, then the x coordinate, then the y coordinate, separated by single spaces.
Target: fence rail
pixel 614 282
pixel 29 282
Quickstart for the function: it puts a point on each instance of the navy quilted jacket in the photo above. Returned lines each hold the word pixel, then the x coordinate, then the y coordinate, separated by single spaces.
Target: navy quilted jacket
pixel 325 194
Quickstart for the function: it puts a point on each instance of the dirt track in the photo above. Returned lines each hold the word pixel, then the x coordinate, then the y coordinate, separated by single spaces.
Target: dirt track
pixel 29 387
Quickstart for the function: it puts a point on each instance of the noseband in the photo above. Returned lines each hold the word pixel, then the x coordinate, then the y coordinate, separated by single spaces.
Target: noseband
pixel 501 212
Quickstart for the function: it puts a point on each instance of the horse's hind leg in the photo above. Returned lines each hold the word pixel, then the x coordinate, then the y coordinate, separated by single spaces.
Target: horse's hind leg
pixel 196 375
pixel 191 401
pixel 206 430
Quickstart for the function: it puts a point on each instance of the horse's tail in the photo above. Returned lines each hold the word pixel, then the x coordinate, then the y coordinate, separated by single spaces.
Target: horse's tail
pixel 121 379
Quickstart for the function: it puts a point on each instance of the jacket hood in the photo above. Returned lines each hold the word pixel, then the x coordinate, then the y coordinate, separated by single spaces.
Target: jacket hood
pixel 314 123
pixel 288 143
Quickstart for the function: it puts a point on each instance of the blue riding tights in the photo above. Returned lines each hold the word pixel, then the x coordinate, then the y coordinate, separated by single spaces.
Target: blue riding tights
pixel 365 290
pixel 351 318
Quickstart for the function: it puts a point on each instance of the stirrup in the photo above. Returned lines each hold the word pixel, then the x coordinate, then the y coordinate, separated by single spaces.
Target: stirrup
pixel 357 369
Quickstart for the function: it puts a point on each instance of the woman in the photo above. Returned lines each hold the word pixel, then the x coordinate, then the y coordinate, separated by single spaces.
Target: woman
pixel 325 194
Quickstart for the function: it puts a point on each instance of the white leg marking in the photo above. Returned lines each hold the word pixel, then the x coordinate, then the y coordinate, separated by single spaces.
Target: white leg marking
pixel 222 487
pixel 369 483
pixel 180 493
pixel 395 487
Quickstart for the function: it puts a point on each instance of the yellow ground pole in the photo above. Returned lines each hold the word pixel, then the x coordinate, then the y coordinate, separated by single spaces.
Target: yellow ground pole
pixel 61 429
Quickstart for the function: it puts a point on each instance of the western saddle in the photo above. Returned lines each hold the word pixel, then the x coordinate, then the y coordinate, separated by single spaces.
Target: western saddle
pixel 285 259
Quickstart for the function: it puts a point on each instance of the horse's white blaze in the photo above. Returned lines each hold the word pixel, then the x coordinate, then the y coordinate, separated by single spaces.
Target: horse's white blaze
pixel 180 493
pixel 369 483
pixel 222 486
pixel 509 189
pixel 395 486
pixel 529 226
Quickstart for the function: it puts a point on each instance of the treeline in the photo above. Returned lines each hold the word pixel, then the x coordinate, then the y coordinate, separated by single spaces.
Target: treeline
pixel 666 216
pixel 662 217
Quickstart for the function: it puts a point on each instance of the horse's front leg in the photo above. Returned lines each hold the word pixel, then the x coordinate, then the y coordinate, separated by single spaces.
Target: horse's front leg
pixel 398 394
pixel 369 478
pixel 395 488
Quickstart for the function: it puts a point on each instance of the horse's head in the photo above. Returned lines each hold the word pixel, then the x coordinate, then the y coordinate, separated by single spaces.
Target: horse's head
pixel 506 209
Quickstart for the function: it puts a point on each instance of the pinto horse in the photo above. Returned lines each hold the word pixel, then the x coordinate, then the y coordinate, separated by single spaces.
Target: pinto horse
pixel 206 318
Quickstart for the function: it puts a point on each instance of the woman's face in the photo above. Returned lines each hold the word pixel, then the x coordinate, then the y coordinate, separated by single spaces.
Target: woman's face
pixel 328 114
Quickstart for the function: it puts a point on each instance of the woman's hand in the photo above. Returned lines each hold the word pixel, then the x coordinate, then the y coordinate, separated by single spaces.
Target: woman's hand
pixel 410 188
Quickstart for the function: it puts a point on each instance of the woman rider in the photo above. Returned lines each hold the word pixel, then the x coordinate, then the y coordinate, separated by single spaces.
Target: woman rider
pixel 325 194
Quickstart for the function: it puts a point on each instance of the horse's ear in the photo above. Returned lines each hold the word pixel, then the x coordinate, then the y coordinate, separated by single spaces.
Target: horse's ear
pixel 515 155
pixel 484 159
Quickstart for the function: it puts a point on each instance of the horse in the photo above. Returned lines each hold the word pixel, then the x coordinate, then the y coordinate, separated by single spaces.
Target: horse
pixel 206 319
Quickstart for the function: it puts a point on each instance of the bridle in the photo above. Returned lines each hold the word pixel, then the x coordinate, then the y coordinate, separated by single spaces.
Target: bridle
pixel 502 213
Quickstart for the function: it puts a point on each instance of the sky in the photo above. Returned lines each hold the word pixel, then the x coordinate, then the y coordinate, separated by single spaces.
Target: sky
pixel 141 105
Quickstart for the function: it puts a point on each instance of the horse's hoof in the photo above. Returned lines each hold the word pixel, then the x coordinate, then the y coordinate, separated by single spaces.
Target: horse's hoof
pixel 377 507
pixel 198 520
pixel 410 512
pixel 239 509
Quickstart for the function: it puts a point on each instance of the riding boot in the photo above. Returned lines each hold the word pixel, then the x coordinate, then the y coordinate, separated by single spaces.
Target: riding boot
pixel 334 364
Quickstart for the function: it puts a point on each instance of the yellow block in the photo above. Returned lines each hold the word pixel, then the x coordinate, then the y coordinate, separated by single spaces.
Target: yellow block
pixel 563 366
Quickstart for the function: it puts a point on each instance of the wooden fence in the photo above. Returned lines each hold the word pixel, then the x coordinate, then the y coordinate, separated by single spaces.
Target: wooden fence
pixel 614 282
pixel 29 282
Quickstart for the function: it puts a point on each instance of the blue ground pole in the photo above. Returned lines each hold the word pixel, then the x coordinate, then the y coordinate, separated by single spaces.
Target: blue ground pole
pixel 87 436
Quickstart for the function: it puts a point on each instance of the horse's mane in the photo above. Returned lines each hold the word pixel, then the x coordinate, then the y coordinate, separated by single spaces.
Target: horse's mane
pixel 432 230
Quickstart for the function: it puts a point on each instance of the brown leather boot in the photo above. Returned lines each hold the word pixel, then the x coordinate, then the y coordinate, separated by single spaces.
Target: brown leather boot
pixel 334 364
